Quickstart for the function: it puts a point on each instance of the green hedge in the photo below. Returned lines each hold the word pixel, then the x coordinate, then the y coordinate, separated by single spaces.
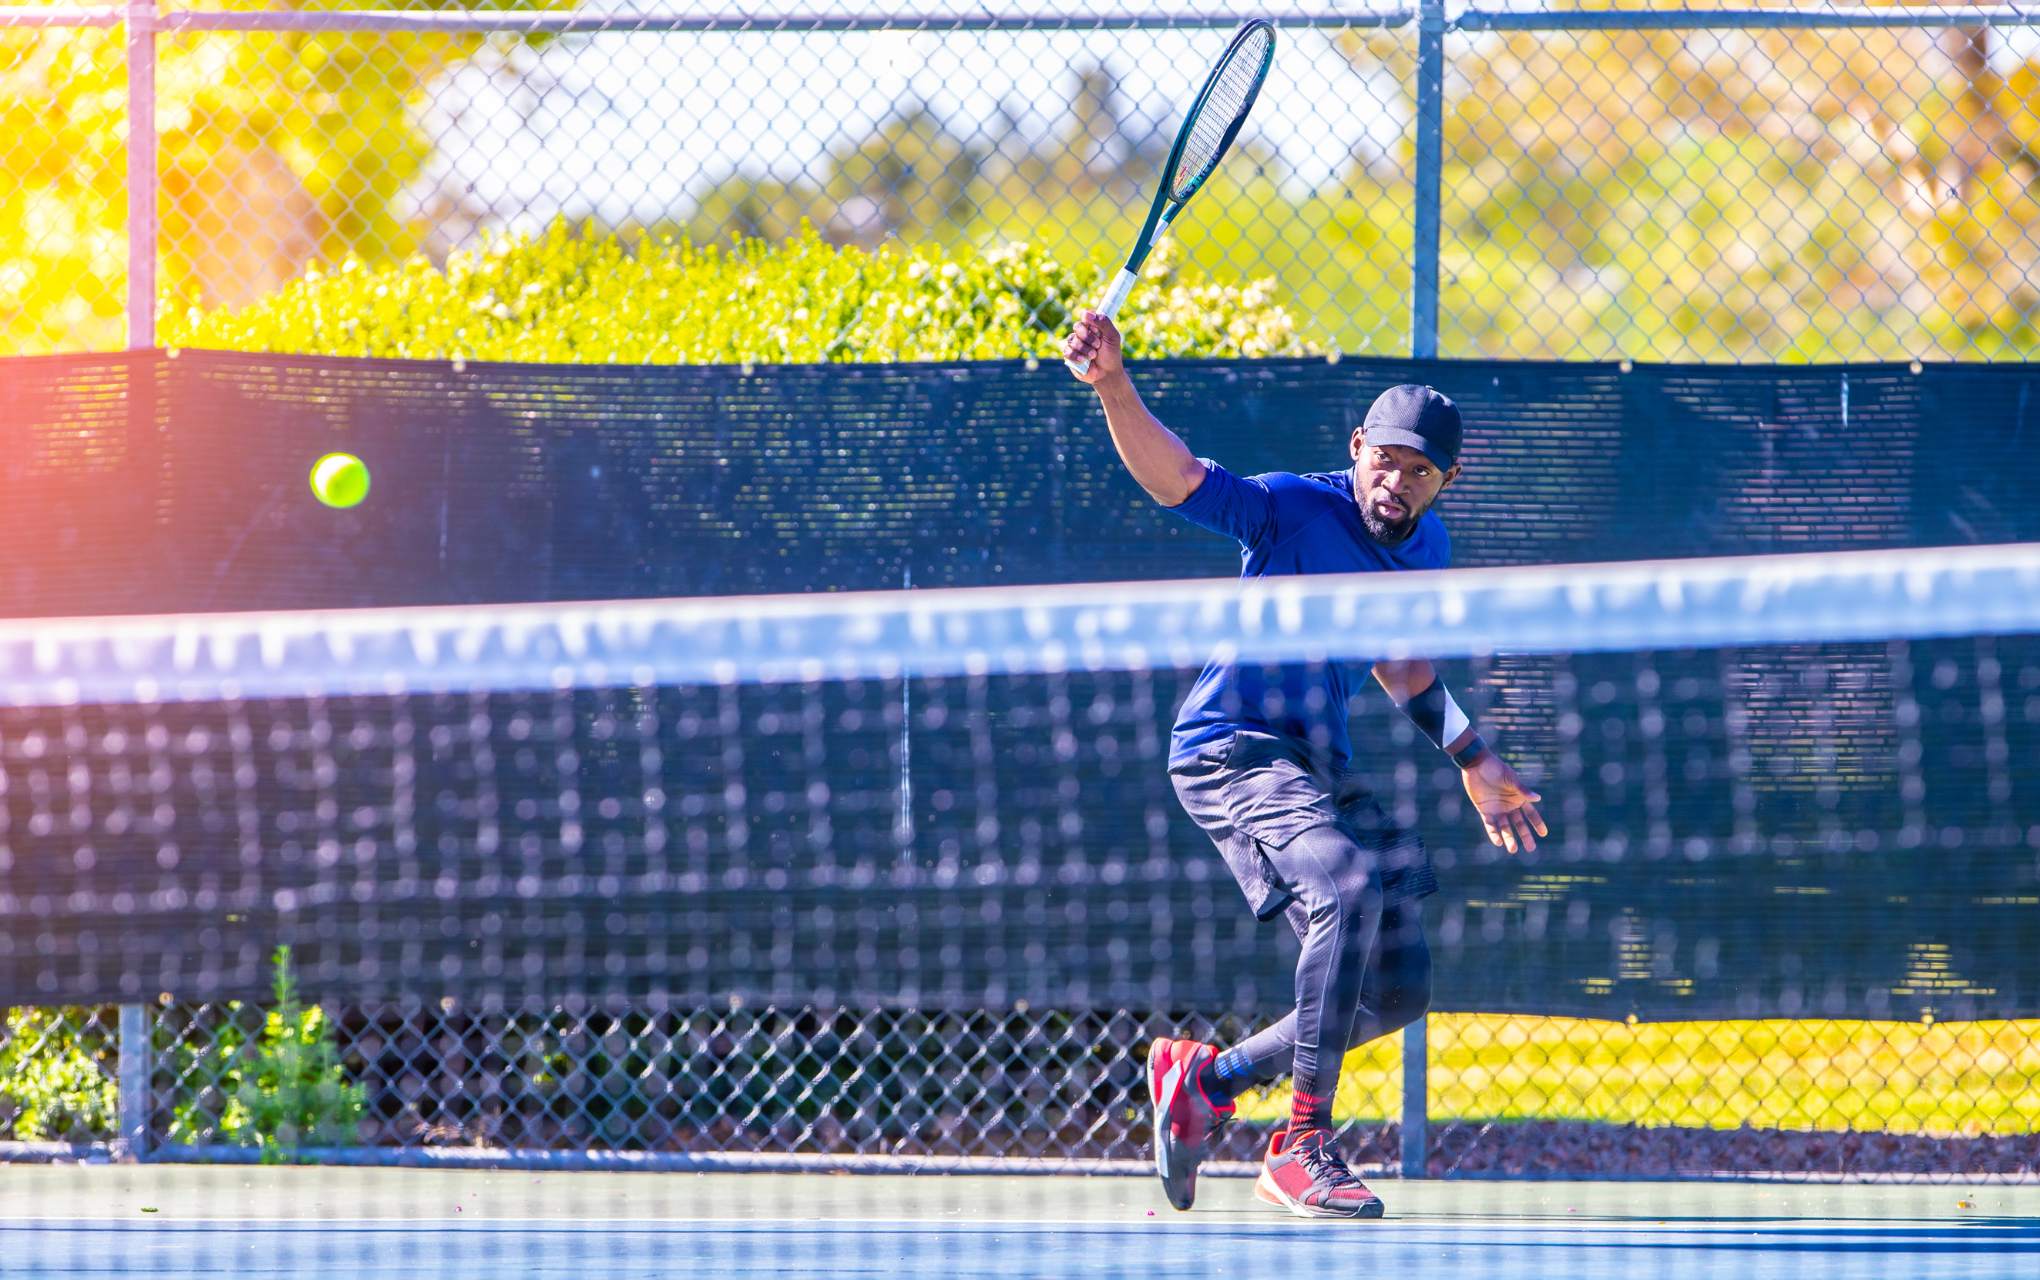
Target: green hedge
pixel 57 1074
pixel 579 297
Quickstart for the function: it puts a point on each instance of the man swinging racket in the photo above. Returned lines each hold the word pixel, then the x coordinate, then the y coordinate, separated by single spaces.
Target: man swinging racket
pixel 1259 758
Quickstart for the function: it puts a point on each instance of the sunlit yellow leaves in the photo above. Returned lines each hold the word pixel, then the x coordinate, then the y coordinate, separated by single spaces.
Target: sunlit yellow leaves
pixel 2018 102
pixel 63 205
pixel 274 151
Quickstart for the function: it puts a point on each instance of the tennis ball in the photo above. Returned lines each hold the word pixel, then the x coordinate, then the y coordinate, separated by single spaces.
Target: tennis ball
pixel 340 480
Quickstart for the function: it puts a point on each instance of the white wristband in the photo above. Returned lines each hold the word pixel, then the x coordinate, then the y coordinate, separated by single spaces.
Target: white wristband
pixel 1456 722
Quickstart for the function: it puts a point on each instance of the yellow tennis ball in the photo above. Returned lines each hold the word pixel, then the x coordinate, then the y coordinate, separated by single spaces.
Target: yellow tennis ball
pixel 340 480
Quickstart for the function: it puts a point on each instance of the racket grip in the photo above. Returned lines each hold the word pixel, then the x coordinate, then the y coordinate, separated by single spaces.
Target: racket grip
pixel 1115 298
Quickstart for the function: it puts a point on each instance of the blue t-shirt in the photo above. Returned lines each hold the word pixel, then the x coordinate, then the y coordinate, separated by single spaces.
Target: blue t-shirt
pixel 1289 524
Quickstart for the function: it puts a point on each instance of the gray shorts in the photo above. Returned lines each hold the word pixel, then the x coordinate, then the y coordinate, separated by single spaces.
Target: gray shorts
pixel 1257 792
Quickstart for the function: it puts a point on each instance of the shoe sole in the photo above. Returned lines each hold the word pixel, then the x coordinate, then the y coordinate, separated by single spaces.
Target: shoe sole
pixel 1181 1191
pixel 1268 1193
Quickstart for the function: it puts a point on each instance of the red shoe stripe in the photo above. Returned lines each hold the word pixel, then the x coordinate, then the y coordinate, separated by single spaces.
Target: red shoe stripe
pixel 1158 1062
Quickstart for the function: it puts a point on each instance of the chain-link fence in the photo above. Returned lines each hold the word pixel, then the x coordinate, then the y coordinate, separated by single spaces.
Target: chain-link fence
pixel 1831 182
pixel 1018 1088
pixel 1815 182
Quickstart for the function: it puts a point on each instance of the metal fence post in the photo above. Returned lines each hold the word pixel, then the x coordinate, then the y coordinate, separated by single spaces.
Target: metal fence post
pixel 1430 161
pixel 1416 1102
pixel 135 1070
pixel 141 175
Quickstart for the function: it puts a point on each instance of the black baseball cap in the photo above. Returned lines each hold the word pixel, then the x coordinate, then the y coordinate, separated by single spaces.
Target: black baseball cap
pixel 1418 417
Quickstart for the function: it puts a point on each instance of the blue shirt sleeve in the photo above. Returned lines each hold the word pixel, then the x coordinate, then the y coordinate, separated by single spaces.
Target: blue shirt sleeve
pixel 1226 503
pixel 1441 543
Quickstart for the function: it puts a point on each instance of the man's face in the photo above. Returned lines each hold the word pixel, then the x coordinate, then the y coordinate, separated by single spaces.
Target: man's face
pixel 1394 486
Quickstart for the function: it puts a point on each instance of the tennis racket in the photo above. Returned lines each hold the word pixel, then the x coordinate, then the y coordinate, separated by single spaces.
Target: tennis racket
pixel 1214 121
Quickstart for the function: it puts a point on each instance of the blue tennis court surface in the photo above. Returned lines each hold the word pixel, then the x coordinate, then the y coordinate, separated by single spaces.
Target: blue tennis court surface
pixel 315 1223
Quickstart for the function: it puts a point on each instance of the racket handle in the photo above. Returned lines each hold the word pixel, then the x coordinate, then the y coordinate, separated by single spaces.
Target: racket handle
pixel 1115 298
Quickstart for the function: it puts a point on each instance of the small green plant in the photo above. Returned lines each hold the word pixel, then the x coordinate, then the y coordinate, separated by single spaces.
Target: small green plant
pixel 58 1071
pixel 571 297
pixel 290 1090
pixel 202 1049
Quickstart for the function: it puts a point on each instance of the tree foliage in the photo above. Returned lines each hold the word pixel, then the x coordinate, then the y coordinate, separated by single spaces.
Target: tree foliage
pixel 1757 195
pixel 274 150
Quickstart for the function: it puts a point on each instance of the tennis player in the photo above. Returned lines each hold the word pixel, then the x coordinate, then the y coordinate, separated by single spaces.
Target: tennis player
pixel 1259 758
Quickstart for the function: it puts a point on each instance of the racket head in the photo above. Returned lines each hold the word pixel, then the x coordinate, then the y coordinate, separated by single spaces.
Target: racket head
pixel 1220 109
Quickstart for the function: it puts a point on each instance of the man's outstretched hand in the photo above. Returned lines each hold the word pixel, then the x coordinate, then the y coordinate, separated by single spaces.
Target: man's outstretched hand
pixel 1508 809
pixel 1095 339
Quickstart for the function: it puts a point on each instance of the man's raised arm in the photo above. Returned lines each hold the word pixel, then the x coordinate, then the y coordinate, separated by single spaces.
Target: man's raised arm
pixel 1159 461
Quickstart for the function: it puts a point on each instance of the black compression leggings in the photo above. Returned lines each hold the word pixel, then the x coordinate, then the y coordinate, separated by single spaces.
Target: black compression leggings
pixel 1365 969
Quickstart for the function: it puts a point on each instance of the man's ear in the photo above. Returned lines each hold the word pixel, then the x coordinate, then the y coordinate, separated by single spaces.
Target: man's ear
pixel 1357 443
pixel 1450 476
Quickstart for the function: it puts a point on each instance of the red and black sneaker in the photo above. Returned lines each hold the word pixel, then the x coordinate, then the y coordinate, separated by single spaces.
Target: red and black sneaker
pixel 1305 1175
pixel 1184 1117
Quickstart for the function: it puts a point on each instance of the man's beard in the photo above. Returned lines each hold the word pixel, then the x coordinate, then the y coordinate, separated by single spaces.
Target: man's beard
pixel 1385 530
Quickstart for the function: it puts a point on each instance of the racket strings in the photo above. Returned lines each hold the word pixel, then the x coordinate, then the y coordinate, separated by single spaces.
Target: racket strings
pixel 1232 92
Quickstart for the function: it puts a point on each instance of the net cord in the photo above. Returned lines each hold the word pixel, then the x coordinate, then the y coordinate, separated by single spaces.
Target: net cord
pixel 1678 604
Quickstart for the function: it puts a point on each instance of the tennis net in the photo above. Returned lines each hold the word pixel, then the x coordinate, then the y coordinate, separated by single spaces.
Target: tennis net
pixel 901 874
